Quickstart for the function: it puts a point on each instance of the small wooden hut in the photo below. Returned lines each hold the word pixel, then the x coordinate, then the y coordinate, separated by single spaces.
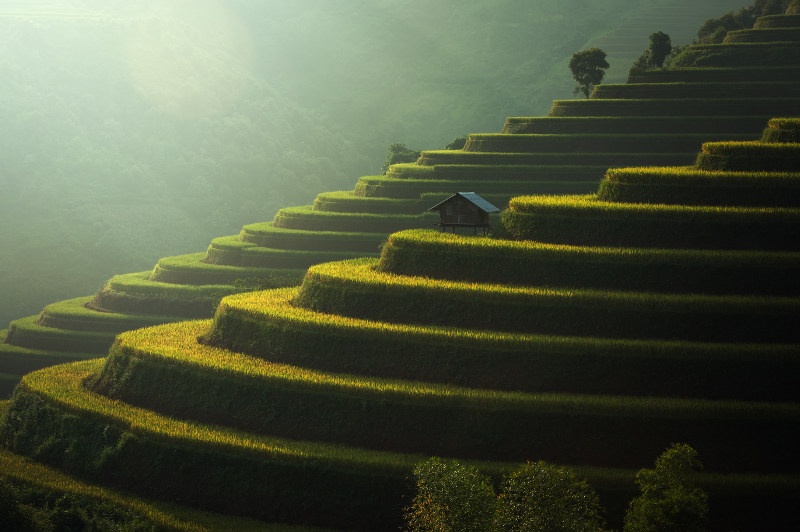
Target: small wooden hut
pixel 464 209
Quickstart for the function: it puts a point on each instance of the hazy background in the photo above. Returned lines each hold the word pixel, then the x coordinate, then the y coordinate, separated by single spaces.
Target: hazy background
pixel 136 130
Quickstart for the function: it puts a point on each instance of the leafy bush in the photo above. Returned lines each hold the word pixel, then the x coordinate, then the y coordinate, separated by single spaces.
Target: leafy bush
pixel 545 497
pixel 450 497
pixel 669 500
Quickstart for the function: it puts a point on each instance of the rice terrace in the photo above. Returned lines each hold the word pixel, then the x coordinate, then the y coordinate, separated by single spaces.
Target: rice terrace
pixel 628 325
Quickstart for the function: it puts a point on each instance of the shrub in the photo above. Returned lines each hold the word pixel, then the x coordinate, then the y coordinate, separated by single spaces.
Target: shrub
pixel 548 498
pixel 668 499
pixel 450 496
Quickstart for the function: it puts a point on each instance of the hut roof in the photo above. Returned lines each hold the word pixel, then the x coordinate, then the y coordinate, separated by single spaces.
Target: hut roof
pixel 473 198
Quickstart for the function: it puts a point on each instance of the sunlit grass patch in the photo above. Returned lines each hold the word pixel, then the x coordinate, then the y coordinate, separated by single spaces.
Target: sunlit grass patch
pixel 634 124
pixel 355 288
pixel 349 202
pixel 266 324
pixel 190 269
pixel 693 186
pixel 782 130
pixel 74 314
pixel 305 218
pixel 748 156
pixel 266 234
pixel 440 255
pixel 137 293
pixel 579 143
pixel 231 251
pixel 26 332
pixel 585 220
pixel 27 473
pixel 388 414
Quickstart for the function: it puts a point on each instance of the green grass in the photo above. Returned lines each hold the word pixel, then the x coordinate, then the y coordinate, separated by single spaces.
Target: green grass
pixel 349 202
pixel 588 143
pixel 354 288
pixel 691 186
pixel 458 157
pixel 749 156
pixel 305 218
pixel 231 251
pixel 267 324
pixel 487 174
pixel 440 255
pixel 267 235
pixel 26 332
pixel 739 55
pixel 190 269
pixel 49 483
pixel 388 414
pixel 764 35
pixel 696 124
pixel 74 314
pixel 442 189
pixel 749 89
pixel 585 220
pixel 782 130
pixel 122 446
pixel 135 293
pixel 777 21
pixel 719 74
pixel 766 107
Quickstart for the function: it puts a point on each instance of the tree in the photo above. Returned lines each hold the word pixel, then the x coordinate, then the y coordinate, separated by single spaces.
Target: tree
pixel 588 68
pixel 660 47
pixel 450 497
pixel 399 153
pixel 668 500
pixel 548 498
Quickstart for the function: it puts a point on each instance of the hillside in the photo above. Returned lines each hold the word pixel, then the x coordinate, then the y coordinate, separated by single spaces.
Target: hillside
pixel 566 152
pixel 139 130
pixel 597 327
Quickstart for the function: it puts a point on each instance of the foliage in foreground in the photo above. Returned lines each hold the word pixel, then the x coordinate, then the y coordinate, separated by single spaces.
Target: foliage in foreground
pixel 536 497
pixel 545 497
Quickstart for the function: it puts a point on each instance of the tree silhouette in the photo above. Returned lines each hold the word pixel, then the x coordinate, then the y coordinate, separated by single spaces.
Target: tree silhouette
pixel 588 68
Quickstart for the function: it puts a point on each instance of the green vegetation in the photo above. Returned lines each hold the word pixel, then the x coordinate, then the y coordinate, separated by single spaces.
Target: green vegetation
pixel 669 498
pixel 591 331
pixel 536 497
pixel 588 68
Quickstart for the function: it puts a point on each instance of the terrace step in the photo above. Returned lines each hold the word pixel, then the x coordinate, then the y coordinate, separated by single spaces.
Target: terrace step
pixel 267 235
pixel 486 174
pixel 692 186
pixel 761 35
pixel 782 130
pixel 749 156
pixel 348 202
pixel 672 90
pixel 459 157
pixel 436 255
pixel 355 289
pixel 777 21
pixel 163 458
pixel 449 420
pixel 16 361
pixel 585 220
pixel 190 269
pixel 305 218
pixel 757 54
pixel 677 107
pixel 136 293
pixel 499 192
pixel 593 143
pixel 26 332
pixel 231 251
pixel 76 314
pixel 719 74
pixel 696 124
